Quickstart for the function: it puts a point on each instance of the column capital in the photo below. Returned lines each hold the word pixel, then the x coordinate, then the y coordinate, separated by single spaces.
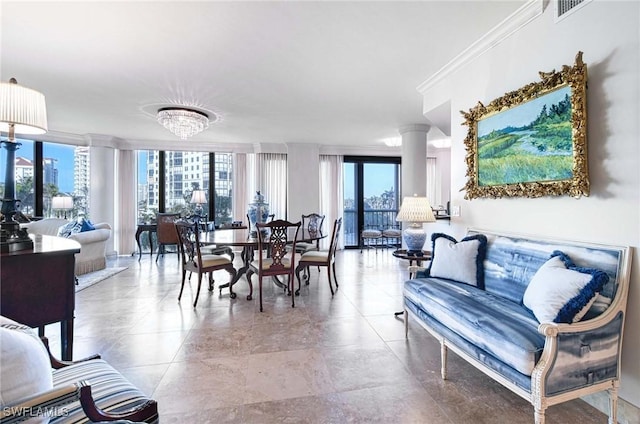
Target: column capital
pixel 414 128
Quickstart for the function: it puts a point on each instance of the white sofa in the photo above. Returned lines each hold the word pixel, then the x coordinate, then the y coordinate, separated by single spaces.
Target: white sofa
pixel 92 256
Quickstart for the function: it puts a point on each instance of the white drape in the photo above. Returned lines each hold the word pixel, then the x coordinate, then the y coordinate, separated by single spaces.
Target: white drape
pixel 271 181
pixel 331 197
pixel 434 191
pixel 240 187
pixel 125 226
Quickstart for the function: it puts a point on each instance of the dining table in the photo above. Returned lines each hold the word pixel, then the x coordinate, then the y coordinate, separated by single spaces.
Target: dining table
pixel 248 240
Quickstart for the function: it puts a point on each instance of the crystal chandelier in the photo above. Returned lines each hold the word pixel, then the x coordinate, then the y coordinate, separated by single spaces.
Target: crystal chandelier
pixel 183 122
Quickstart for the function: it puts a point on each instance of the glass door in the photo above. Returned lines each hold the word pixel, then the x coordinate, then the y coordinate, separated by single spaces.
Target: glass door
pixel 371 196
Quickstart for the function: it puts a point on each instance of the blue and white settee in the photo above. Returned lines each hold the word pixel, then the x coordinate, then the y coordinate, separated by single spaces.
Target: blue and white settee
pixel 544 318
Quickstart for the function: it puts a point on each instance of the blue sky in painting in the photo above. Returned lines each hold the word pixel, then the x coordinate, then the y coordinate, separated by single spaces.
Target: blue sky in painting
pixel 522 114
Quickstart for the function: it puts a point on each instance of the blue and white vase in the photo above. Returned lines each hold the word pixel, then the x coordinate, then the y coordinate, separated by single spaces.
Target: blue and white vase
pixel 258 213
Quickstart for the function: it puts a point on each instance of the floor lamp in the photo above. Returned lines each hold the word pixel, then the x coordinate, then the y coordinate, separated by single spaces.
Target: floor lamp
pixel 22 111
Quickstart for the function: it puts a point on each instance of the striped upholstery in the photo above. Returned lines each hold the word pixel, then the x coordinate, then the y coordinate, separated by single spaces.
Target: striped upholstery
pixel 53 401
pixel 111 391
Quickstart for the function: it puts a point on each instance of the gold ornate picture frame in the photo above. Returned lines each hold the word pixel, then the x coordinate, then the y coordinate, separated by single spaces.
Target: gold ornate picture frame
pixel 531 142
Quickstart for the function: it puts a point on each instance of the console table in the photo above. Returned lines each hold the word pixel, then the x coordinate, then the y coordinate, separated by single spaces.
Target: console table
pixel 38 286
pixel 150 229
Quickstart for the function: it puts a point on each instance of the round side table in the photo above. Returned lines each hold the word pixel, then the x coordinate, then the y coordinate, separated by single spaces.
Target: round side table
pixel 402 254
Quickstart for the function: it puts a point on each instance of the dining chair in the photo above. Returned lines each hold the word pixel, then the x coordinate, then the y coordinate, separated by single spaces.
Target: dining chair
pixel 326 258
pixel 194 261
pixel 311 223
pixel 166 232
pixel 273 256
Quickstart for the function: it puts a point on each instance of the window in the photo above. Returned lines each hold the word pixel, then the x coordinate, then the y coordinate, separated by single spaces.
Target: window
pixel 166 183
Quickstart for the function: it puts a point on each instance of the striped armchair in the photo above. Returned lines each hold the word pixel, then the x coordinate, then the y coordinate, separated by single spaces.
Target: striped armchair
pixel 89 390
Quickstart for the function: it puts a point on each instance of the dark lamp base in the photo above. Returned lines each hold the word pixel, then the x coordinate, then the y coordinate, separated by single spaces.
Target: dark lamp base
pixel 415 253
pixel 14 238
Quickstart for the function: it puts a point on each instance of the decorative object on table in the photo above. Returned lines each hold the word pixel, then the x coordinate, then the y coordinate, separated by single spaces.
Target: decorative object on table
pixel 258 213
pixel 23 111
pixel 61 204
pixel 531 142
pixel 184 122
pixel 415 210
pixel 199 197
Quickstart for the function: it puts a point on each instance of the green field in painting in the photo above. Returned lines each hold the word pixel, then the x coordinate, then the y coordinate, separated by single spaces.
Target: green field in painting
pixel 543 153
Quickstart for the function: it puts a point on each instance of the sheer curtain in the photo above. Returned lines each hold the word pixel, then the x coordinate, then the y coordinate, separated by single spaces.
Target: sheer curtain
pixel 331 198
pixel 271 180
pixel 434 191
pixel 124 237
pixel 240 187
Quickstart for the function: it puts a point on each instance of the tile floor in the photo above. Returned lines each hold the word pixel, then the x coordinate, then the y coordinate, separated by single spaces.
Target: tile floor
pixel 330 360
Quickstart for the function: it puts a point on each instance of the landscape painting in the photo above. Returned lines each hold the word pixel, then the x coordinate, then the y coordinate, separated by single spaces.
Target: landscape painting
pixel 531 142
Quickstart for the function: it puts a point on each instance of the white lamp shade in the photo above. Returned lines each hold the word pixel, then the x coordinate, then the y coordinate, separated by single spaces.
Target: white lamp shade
pixel 62 203
pixel 198 197
pixel 23 107
pixel 415 209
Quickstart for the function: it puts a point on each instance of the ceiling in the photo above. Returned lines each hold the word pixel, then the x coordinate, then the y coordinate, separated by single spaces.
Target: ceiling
pixel 331 73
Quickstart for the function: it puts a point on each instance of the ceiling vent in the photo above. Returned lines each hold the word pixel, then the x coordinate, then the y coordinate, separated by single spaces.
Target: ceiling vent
pixel 565 8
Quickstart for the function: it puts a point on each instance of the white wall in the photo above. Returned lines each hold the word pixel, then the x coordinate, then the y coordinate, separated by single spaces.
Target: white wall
pixel 303 194
pixel 608 32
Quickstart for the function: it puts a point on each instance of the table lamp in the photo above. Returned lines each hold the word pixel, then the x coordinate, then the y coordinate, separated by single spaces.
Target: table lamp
pixel 198 197
pixel 415 210
pixel 22 111
pixel 62 203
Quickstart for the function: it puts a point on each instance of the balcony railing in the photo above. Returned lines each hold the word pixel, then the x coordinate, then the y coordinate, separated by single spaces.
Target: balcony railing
pixel 379 219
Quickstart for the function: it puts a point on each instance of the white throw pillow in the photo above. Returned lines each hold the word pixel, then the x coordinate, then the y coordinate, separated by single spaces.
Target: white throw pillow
pixel 25 368
pixel 561 292
pixel 460 261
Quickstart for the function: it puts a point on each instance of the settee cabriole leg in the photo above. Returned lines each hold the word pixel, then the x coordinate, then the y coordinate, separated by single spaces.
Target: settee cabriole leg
pixel 613 404
pixel 406 324
pixel 443 360
pixel 539 415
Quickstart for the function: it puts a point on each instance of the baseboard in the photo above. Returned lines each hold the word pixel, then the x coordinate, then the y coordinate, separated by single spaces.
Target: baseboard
pixel 627 413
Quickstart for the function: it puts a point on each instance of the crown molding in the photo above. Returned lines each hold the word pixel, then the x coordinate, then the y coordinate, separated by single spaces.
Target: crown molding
pixel 518 19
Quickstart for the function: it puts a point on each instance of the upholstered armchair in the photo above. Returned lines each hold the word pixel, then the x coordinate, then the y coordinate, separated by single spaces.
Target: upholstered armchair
pixel 38 387
pixel 93 244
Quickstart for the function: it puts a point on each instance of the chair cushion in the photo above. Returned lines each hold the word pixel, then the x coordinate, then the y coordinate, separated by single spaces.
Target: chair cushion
pixel 266 263
pixel 25 367
pixel 458 261
pixel 392 232
pixel 371 233
pixel 214 260
pixel 315 256
pixel 111 391
pixel 561 292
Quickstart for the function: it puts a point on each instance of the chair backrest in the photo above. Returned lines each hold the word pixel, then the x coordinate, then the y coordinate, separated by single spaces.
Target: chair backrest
pixel 335 235
pixel 166 232
pixel 312 222
pixel 188 241
pixel 275 236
